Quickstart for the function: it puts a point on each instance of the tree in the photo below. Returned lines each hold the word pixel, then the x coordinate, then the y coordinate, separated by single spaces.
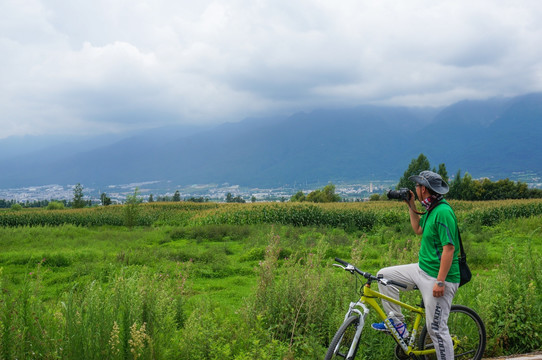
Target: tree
pixel 106 200
pixel 467 188
pixel 468 192
pixel 237 199
pixel 253 199
pixel 455 186
pixel 443 173
pixel 229 197
pixel 325 195
pixel 151 199
pixel 177 196
pixel 416 166
pixel 298 197
pixel 78 201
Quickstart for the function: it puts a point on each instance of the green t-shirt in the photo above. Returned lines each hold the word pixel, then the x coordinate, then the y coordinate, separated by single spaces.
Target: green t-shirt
pixel 439 229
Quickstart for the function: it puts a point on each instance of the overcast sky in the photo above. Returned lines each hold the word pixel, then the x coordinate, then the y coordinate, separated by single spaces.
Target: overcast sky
pixel 74 66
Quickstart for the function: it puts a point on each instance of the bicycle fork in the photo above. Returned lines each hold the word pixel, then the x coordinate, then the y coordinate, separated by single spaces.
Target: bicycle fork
pixel 353 309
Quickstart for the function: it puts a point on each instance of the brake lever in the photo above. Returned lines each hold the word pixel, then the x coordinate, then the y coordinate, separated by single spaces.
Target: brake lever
pixel 349 268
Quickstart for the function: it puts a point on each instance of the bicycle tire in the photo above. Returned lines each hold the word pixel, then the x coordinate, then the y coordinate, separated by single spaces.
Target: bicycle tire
pixel 342 341
pixel 468 327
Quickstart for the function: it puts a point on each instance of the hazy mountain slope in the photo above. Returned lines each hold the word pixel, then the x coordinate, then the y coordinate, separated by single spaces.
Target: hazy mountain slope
pixel 492 137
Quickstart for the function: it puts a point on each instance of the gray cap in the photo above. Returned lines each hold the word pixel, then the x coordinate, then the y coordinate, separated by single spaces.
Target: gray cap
pixel 432 181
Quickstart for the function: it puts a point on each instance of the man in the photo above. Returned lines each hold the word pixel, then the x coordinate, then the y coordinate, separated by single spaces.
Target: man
pixel 437 272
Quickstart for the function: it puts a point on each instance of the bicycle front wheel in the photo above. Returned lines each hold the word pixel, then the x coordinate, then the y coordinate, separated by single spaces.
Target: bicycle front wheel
pixel 344 340
pixel 467 328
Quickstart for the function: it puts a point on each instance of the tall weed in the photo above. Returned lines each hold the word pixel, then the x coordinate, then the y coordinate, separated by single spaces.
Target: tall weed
pixel 515 315
pixel 134 316
pixel 296 300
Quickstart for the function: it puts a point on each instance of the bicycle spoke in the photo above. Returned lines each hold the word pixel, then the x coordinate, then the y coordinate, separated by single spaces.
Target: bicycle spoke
pixel 463 354
pixel 343 340
pixel 467 332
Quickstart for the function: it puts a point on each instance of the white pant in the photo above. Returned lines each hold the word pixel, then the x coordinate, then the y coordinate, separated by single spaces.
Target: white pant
pixel 437 310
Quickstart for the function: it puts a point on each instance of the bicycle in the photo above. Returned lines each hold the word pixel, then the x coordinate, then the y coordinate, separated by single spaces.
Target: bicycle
pixel 466 327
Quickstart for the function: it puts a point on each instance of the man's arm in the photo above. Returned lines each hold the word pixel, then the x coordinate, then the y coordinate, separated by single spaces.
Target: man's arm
pixel 445 264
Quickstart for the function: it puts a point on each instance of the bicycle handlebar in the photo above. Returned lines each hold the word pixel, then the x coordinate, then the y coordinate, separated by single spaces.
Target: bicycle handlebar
pixel 368 276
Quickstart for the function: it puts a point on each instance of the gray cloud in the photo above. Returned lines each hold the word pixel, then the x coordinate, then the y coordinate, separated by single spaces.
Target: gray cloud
pixel 99 66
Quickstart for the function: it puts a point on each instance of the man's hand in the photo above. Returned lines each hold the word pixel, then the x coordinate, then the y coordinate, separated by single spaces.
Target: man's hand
pixel 438 291
pixel 411 202
pixel 414 216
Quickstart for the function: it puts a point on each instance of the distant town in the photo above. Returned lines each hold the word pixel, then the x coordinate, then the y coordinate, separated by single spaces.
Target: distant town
pixel 166 190
pixel 206 192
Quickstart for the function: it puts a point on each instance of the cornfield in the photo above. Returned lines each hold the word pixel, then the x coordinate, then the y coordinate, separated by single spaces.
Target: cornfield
pixel 350 216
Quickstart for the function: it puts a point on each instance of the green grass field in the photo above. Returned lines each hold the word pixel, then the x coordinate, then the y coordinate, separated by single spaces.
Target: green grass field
pixel 241 281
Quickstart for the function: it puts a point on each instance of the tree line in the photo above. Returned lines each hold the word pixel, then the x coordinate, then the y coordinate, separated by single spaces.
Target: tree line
pixel 467 188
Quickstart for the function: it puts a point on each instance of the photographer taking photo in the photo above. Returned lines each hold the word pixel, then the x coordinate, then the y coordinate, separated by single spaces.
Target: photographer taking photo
pixel 437 272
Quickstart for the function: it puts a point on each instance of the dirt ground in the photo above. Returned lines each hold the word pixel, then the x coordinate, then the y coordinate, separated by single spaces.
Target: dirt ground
pixel 531 356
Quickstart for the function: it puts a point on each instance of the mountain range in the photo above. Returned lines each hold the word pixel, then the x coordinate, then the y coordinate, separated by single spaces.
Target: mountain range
pixel 494 138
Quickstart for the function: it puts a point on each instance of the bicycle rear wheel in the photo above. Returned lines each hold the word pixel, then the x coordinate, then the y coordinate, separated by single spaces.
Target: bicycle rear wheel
pixel 343 340
pixel 467 327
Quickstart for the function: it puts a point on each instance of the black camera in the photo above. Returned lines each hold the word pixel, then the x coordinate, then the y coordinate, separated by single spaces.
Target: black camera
pixel 401 194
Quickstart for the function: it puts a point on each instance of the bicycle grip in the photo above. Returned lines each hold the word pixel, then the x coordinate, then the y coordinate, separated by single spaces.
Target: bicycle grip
pixel 341 261
pixel 397 284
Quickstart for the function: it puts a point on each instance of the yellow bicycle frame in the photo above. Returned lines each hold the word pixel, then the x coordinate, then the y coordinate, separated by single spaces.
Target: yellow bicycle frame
pixel 370 297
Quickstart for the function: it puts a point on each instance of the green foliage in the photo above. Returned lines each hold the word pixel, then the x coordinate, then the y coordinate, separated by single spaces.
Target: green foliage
pixel 16 207
pixel 234 199
pixel 200 199
pixel 226 291
pixel 491 216
pixel 415 167
pixel 350 216
pixel 443 172
pixel 106 200
pixel 467 188
pixel 131 209
pixel 211 232
pixel 5 204
pixel 134 314
pixel 325 195
pixel 55 205
pixel 211 333
pixel 298 197
pixel 78 202
pixel 297 215
pixel 516 312
pixel 176 196
pixel 294 302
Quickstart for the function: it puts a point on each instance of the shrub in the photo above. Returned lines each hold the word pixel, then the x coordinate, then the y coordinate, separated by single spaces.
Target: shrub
pixel 16 207
pixel 131 209
pixel 55 205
